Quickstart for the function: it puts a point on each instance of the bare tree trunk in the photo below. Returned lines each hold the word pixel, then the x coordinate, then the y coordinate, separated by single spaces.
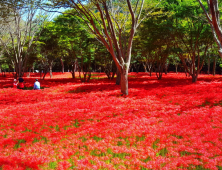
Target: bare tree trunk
pixel 208 71
pixel 44 75
pixel 194 77
pixel 166 68
pixel 73 71
pixel 149 66
pixel 159 72
pixel 144 66
pixel 214 67
pixel 62 64
pixel 50 68
pixel 176 65
pixel 40 71
pixel 28 74
pixel 124 81
pixel 213 17
pixel 74 68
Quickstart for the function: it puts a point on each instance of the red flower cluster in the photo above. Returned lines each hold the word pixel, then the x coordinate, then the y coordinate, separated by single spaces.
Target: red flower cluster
pixel 163 124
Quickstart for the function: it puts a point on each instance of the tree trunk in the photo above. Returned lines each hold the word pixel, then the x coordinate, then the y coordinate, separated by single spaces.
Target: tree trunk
pixel 33 69
pixel 185 71
pixel 50 68
pixel 159 72
pixel 62 64
pixel 149 66
pixel 166 68
pixel 144 66
pixel 114 68
pixel 73 71
pixel 150 72
pixel 20 69
pixel 89 76
pixel 194 77
pixel 214 67
pixel 118 77
pixel 45 71
pixel 136 66
pixel 176 68
pixel 124 81
pixel 28 74
pixel 40 71
pixel 208 71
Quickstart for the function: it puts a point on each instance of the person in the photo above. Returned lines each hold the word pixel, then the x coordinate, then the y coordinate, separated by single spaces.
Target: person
pixel 15 83
pixel 36 85
pixel 21 80
pixel 21 83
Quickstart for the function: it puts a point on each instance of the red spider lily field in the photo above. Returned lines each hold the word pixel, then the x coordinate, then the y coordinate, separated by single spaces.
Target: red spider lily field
pixel 162 124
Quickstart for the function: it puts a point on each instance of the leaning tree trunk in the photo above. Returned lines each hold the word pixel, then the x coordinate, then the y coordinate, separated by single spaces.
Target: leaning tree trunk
pixel 45 71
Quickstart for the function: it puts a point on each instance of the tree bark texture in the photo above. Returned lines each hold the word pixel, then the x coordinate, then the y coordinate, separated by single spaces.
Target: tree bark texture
pixel 124 81
pixel 213 18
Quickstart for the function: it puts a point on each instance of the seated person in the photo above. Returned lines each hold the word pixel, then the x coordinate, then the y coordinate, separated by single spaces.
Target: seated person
pixel 15 83
pixel 21 80
pixel 36 85
pixel 21 83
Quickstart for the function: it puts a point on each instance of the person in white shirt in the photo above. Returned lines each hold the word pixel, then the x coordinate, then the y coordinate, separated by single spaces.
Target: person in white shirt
pixel 36 85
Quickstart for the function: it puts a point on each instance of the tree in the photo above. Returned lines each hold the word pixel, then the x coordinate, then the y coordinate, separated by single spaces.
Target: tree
pixel 18 33
pixel 213 17
pixel 192 37
pixel 49 47
pixel 175 60
pixel 75 41
pixel 156 39
pixel 106 20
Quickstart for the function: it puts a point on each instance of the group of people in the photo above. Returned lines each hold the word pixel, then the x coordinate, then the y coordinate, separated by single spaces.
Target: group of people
pixel 20 84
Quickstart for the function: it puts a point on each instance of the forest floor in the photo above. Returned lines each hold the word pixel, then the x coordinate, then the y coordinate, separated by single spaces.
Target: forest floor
pixel 170 123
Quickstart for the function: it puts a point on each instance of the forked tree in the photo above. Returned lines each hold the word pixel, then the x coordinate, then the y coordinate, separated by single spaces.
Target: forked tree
pixel 213 17
pixel 113 23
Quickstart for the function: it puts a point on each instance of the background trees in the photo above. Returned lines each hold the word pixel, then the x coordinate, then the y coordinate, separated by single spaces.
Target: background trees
pixel 18 32
pixel 97 35
pixel 107 21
